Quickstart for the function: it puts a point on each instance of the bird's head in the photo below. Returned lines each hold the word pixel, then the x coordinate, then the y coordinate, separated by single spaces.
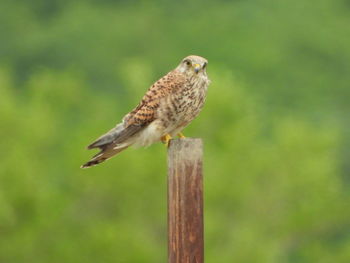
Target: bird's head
pixel 193 65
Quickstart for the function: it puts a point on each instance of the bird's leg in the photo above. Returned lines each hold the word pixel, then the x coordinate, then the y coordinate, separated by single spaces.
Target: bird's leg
pixel 165 139
pixel 181 136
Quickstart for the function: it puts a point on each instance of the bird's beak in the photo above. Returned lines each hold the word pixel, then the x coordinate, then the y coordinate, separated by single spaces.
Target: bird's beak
pixel 197 68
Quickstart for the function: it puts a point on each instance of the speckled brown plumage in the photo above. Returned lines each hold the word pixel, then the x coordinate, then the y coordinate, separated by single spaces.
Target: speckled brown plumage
pixel 168 106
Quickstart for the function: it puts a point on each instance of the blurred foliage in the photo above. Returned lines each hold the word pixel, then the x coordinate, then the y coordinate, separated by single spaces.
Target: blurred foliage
pixel 275 128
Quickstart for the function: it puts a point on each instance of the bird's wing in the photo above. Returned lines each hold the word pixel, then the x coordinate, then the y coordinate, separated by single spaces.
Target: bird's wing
pixel 144 113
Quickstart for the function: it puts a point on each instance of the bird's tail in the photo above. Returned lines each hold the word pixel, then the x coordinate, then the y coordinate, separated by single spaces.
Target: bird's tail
pixel 107 138
pixel 110 144
pixel 103 155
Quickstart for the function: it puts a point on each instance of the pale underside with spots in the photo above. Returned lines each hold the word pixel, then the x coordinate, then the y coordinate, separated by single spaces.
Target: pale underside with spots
pixel 168 106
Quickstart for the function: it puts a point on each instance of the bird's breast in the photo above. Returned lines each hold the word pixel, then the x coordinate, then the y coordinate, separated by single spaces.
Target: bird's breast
pixel 182 106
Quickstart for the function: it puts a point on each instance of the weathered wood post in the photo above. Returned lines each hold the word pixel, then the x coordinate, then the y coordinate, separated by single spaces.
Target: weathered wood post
pixel 185 201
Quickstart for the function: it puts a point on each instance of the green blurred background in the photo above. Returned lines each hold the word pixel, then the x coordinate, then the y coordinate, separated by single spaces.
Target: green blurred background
pixel 275 128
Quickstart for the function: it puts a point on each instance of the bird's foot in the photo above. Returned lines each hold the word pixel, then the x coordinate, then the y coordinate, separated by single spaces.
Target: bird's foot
pixel 181 136
pixel 166 139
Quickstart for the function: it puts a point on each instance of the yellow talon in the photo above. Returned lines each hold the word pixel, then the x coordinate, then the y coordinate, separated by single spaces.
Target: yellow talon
pixel 166 139
pixel 180 134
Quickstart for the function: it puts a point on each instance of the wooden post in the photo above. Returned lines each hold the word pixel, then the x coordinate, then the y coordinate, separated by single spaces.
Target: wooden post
pixel 185 201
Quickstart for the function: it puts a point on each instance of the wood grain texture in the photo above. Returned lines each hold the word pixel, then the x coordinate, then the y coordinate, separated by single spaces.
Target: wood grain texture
pixel 185 201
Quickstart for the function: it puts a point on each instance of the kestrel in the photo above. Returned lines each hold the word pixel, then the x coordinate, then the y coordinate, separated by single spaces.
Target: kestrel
pixel 168 106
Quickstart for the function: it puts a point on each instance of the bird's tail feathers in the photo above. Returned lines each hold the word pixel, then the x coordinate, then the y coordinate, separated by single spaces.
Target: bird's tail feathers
pixel 113 142
pixel 108 146
pixel 103 155
pixel 107 138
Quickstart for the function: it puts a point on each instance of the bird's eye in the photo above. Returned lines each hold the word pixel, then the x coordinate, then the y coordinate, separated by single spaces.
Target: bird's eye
pixel 204 65
pixel 187 62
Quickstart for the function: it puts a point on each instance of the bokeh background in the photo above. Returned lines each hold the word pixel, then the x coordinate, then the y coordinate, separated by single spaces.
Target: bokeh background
pixel 275 128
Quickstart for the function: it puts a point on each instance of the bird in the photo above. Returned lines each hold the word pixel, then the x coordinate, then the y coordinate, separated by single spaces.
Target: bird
pixel 168 106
